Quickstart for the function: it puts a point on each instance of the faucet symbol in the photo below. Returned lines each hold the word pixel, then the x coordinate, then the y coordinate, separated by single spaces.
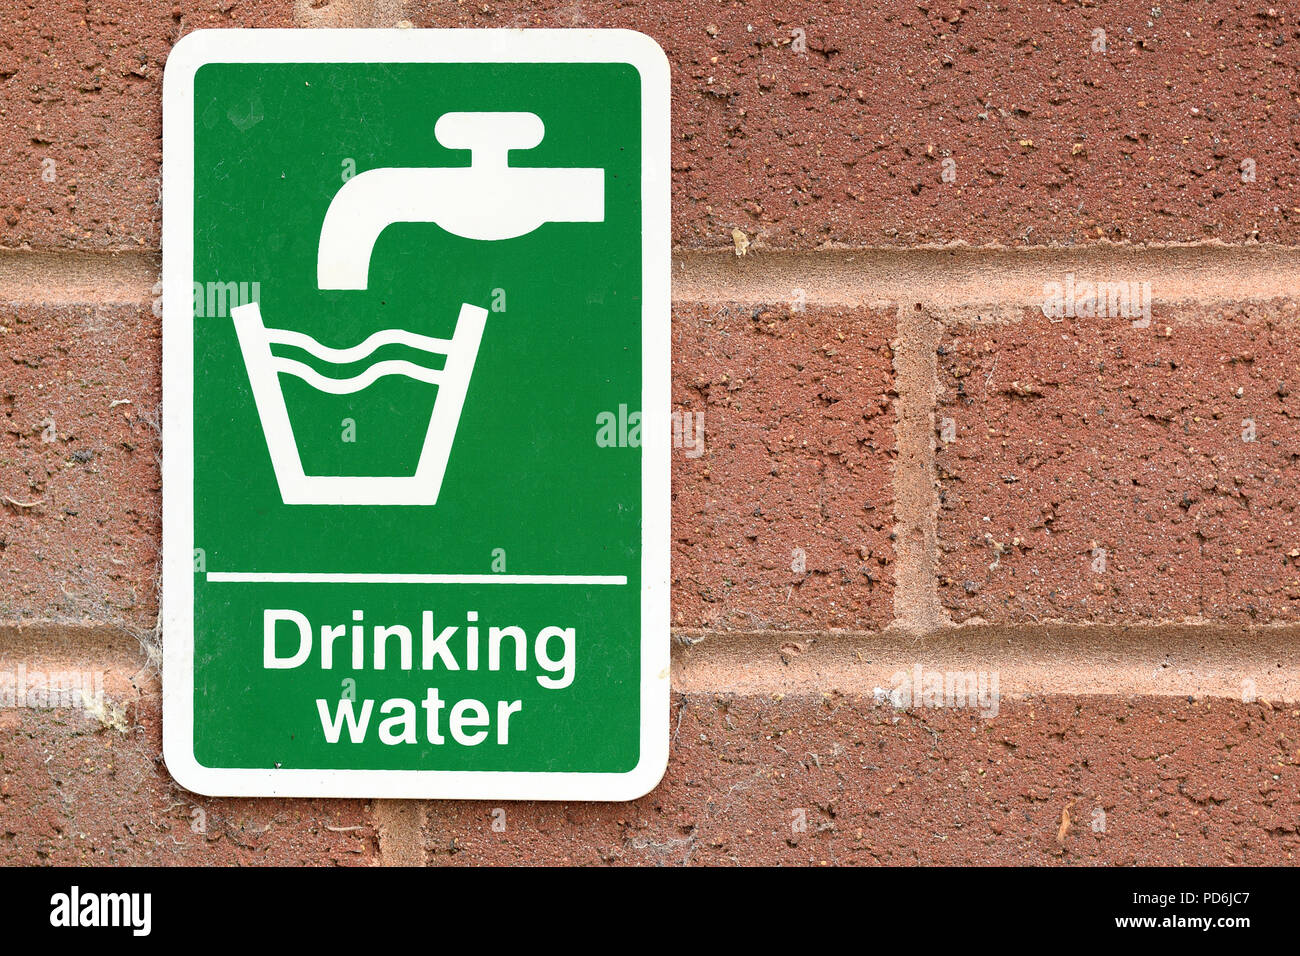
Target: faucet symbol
pixel 488 200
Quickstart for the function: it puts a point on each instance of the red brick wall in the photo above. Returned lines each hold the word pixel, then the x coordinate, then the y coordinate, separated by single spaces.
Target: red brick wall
pixel 907 466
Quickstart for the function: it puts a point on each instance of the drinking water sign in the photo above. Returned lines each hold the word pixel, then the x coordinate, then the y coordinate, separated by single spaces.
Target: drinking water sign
pixel 410 276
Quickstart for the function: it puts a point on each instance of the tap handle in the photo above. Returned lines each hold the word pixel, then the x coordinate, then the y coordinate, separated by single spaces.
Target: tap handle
pixel 489 136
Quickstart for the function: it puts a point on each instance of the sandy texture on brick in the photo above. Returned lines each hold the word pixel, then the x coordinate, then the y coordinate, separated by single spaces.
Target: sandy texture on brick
pixel 843 780
pixel 1100 471
pixel 80 506
pixel 785 519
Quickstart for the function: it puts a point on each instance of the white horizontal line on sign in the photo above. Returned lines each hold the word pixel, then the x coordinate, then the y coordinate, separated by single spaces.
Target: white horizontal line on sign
pixel 313 577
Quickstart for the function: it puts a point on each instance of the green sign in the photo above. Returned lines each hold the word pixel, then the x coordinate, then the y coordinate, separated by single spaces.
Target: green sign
pixel 416 413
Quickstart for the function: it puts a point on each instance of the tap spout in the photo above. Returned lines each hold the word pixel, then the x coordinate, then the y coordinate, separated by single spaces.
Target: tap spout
pixel 488 200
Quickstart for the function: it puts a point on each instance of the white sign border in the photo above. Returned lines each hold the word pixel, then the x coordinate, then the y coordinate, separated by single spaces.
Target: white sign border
pixel 411 46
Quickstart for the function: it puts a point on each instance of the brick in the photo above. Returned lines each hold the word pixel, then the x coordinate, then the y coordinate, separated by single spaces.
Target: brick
pixel 1083 439
pixel 81 102
pixel 79 462
pixel 933 786
pixel 1052 142
pixel 785 519
pixel 845 142
pixel 74 791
